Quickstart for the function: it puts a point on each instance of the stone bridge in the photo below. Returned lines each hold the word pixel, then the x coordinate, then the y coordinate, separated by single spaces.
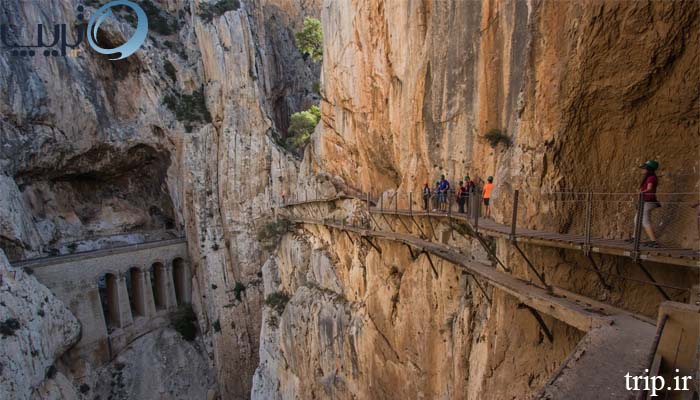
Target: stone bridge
pixel 117 294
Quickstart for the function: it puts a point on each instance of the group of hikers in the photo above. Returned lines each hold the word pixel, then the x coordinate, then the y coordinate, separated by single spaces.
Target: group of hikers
pixel 441 194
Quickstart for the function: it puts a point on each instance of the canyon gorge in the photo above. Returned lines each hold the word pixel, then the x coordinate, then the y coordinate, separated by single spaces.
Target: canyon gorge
pixel 142 195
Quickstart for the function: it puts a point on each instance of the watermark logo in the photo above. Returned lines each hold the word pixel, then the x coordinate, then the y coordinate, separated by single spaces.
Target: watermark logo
pixel 133 44
pixel 55 42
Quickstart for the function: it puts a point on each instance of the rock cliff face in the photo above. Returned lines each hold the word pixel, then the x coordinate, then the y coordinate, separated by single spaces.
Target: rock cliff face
pixel 364 324
pixel 583 93
pixel 409 90
pixel 177 137
pixel 35 330
pixel 413 89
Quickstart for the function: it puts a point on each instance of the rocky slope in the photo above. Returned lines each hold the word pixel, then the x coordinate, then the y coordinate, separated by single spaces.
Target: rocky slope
pixel 409 91
pixel 582 93
pixel 35 330
pixel 103 152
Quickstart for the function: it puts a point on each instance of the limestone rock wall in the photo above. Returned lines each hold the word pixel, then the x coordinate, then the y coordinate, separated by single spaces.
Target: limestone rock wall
pixel 35 330
pixel 364 324
pixel 411 89
pixel 97 153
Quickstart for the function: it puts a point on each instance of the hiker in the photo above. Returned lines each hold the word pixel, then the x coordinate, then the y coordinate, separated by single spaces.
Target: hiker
pixel 648 189
pixel 470 186
pixel 488 187
pixel 426 197
pixel 461 196
pixel 444 189
pixel 436 196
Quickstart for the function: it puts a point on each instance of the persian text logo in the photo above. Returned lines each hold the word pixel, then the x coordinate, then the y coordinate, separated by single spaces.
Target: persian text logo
pixel 59 42
pixel 133 44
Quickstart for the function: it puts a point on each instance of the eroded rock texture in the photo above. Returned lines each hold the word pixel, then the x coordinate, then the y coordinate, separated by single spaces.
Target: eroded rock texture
pixel 93 152
pixel 35 330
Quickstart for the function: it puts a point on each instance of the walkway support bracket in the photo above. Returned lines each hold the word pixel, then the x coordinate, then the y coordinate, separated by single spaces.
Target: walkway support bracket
pixel 651 278
pixel 404 224
pixel 430 260
pixel 597 272
pixel 388 224
pixel 532 267
pixel 379 250
pixel 540 321
pixel 410 250
pixel 349 237
pixel 481 288
pixel 423 236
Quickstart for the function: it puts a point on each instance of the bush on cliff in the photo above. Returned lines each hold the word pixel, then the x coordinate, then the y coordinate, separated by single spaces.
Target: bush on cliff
pixel 310 39
pixel 188 108
pixel 496 136
pixel 301 126
pixel 207 11
pixel 269 233
pixel 277 301
pixel 184 321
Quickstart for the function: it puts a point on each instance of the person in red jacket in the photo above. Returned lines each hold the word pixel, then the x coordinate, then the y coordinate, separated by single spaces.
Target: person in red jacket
pixel 649 202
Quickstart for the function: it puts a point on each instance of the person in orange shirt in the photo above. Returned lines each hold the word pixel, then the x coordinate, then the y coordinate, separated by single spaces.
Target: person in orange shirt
pixel 488 187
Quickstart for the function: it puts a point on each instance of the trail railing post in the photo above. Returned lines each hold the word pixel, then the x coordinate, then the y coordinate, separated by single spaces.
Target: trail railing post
pixel 396 203
pixel 381 202
pixel 449 203
pixel 410 203
pixel 514 220
pixel 367 201
pixel 306 194
pixel 477 211
pixel 589 215
pixel 638 227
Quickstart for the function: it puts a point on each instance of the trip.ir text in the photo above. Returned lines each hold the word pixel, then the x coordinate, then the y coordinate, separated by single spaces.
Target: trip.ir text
pixel 654 384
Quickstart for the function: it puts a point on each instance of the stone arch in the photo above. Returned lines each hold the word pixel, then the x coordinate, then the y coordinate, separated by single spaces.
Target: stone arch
pixel 180 280
pixel 136 286
pixel 159 285
pixel 109 297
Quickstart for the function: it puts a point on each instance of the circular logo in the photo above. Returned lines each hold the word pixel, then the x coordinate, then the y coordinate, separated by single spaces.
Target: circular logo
pixel 133 44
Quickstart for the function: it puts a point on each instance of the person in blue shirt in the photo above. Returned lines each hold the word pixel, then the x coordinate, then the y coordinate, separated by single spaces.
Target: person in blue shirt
pixel 444 189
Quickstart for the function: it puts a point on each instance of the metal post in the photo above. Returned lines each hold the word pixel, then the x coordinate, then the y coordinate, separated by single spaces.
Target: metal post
pixel 514 220
pixel 396 203
pixel 589 214
pixel 381 202
pixel 367 201
pixel 410 203
pixel 449 203
pixel 638 227
pixel 306 194
pixel 477 211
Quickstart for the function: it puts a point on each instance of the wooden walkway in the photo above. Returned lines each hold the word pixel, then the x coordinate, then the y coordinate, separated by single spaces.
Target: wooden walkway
pixel 674 256
pixel 616 341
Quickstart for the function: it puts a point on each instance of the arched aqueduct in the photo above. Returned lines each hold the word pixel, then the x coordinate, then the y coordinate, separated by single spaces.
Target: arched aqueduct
pixel 118 294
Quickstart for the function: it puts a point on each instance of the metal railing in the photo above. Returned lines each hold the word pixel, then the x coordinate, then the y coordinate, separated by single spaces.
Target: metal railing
pixel 588 218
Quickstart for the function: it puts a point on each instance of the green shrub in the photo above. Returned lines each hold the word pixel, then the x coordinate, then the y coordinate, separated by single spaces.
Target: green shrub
pixel 217 326
pixel 170 70
pixel 496 136
pixel 238 289
pixel 159 21
pixel 207 11
pixel 317 87
pixel 301 126
pixel 277 301
pixel 184 321
pixel 310 39
pixel 269 233
pixel 188 108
